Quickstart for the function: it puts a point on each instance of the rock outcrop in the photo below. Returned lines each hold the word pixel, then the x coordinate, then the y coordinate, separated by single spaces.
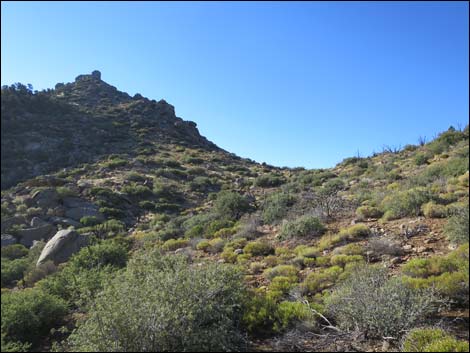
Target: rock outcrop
pixel 62 246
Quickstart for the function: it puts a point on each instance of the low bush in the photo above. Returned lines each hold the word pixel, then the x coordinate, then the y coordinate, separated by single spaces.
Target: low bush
pixel 173 244
pixel 14 251
pixel 365 212
pixel 281 270
pixel 258 248
pixel 29 314
pixel 316 282
pixel 367 296
pixel 302 227
pixel 269 180
pixel 433 210
pixel 432 340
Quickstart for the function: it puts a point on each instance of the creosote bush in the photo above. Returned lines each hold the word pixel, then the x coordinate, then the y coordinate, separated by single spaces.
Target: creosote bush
pixel 163 303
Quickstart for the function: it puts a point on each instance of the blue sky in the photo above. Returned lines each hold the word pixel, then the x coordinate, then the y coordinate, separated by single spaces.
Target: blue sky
pixel 287 83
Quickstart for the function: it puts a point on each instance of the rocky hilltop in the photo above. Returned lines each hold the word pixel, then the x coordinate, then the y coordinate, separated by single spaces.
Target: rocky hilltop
pixel 82 121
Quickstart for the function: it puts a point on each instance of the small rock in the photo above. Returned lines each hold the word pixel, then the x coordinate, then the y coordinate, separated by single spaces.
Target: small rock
pixel 395 260
pixel 221 261
pixel 238 251
pixel 407 247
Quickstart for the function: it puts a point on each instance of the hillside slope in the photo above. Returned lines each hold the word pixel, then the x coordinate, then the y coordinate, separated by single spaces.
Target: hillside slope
pixel 128 178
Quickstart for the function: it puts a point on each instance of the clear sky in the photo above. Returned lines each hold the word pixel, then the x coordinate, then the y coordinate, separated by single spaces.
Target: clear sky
pixel 287 83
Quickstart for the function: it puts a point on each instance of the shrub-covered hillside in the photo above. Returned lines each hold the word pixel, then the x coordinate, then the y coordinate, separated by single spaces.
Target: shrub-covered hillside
pixel 157 240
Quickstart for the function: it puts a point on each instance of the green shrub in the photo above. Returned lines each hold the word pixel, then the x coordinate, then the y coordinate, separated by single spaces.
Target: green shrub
pixel 406 203
pixel 195 309
pixel 421 158
pixel 318 281
pixel 355 231
pixel 448 344
pixel 230 205
pixel 367 296
pixel 29 314
pixel 433 210
pixel 269 180
pixel 281 270
pixel 14 251
pixel 343 260
pixel 276 207
pixel 137 191
pixel 258 248
pixel 263 314
pixel 89 221
pixel 301 227
pixel 457 227
pixel 365 212
pixel 432 340
pixel 173 244
pixel 13 270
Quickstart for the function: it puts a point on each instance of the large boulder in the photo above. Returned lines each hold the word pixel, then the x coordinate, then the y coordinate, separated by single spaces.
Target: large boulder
pixel 62 246
pixel 27 236
pixel 46 198
pixel 78 213
pixel 8 239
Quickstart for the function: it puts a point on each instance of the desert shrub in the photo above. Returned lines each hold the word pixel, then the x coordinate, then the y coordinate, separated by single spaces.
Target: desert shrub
pixel 29 314
pixel 65 192
pixel 432 340
pixel 14 251
pixel 269 180
pixel 350 249
pixel 421 158
pixel 229 255
pixel 448 275
pixel 433 210
pixel 258 248
pixel 13 270
pixel 281 270
pixel 173 244
pixel 343 260
pixel 301 227
pixel 194 308
pixel 137 191
pixel 200 183
pixel 203 245
pixel 367 296
pixel 318 281
pixel 114 162
pixel 264 315
pixel 217 225
pixel 355 231
pixel 111 212
pixel 196 231
pixel 405 203
pixel 84 275
pixel 457 227
pixel 230 205
pixel 447 344
pixel 276 207
pixel 89 221
pixel 364 212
